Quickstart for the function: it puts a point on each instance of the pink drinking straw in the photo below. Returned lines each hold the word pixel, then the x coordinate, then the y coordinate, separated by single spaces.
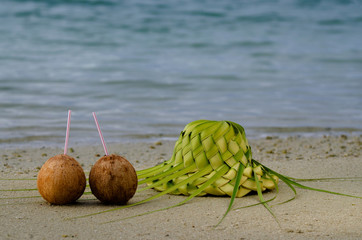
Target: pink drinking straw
pixel 67 133
pixel 100 134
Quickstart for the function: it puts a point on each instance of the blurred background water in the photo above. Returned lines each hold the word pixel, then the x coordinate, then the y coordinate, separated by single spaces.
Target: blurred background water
pixel 147 68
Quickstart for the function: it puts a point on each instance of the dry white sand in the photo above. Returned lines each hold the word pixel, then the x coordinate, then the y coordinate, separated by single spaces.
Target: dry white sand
pixel 312 215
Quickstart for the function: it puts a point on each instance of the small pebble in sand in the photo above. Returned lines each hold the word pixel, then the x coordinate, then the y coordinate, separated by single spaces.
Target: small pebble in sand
pixel 344 137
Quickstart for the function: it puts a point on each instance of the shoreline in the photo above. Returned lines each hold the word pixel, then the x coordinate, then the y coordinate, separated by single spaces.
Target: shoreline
pixel 92 139
pixel 312 215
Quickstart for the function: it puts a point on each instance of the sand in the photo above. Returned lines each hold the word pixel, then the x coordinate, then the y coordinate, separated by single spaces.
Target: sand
pixel 312 215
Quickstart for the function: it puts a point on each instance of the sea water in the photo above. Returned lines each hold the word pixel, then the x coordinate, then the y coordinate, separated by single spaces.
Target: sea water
pixel 147 68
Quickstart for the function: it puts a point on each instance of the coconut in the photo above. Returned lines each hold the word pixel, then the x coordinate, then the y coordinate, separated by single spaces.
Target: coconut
pixel 113 180
pixel 61 180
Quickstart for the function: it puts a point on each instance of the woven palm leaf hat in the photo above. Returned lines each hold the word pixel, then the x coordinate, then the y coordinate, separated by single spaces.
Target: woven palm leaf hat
pixel 208 156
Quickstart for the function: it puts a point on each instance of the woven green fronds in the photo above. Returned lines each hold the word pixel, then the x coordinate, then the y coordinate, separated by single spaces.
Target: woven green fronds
pixel 209 144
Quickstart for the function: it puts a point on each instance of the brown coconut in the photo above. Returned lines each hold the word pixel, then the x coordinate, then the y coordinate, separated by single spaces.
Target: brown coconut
pixel 61 180
pixel 113 180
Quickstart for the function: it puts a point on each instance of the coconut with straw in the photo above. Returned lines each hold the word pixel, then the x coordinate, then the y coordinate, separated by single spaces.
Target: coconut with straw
pixel 112 179
pixel 61 180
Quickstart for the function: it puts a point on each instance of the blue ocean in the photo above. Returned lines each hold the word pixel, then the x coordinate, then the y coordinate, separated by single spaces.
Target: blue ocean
pixel 147 68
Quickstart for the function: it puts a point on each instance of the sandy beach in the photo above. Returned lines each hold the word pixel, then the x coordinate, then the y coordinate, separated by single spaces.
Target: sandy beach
pixel 312 215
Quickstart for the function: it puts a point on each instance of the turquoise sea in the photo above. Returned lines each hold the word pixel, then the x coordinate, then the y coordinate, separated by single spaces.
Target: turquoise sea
pixel 147 68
